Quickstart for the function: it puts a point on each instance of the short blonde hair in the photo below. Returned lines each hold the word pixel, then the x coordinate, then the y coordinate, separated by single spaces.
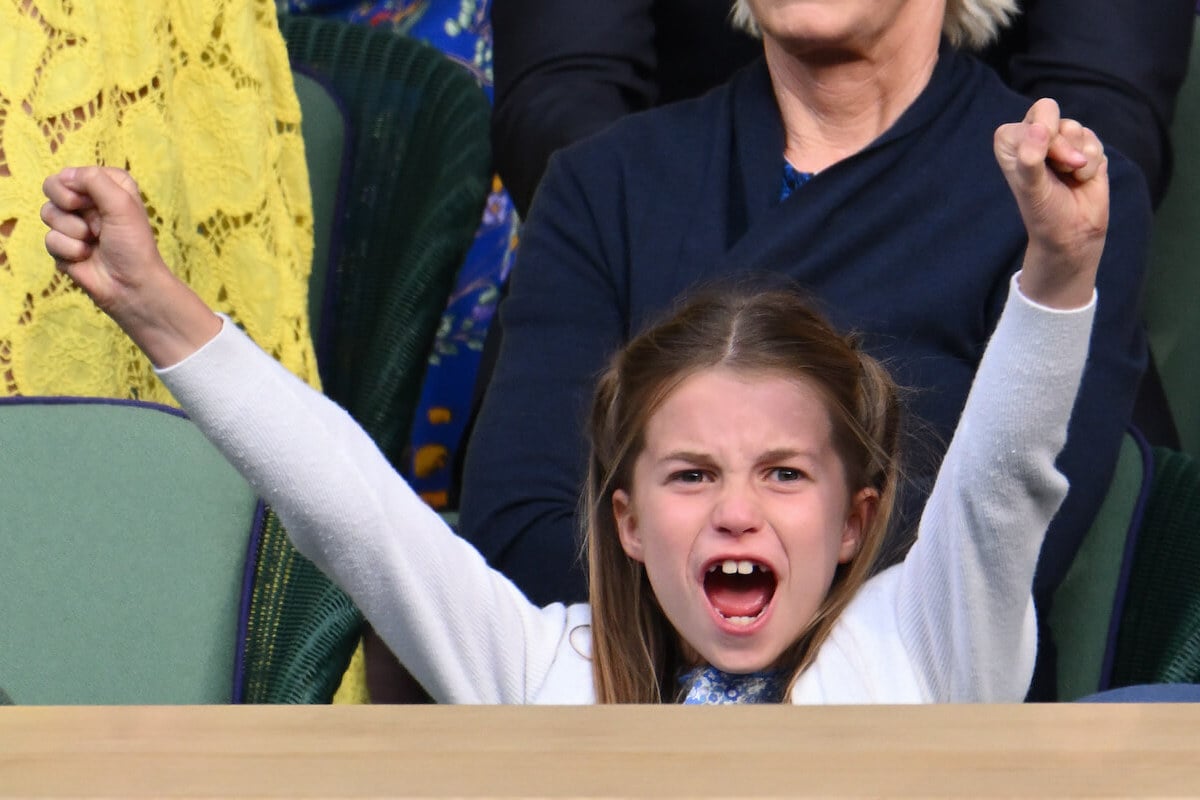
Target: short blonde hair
pixel 969 24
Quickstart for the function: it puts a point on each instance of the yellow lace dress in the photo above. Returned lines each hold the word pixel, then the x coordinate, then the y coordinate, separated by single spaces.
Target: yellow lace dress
pixel 195 99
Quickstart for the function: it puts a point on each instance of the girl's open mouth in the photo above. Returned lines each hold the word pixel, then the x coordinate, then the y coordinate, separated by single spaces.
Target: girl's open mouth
pixel 739 590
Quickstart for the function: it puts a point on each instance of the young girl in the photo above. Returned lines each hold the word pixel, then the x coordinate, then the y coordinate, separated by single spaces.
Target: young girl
pixel 743 468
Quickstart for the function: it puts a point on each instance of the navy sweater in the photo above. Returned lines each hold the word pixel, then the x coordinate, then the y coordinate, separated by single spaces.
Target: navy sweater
pixel 911 242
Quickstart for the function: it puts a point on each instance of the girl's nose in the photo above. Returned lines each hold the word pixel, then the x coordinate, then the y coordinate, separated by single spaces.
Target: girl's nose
pixel 737 511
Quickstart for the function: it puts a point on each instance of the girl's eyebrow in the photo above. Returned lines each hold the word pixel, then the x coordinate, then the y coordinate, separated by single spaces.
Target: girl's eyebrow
pixel 787 453
pixel 688 456
pixel 776 454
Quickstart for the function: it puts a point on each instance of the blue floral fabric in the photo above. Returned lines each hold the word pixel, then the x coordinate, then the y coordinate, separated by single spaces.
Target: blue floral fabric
pixel 793 179
pixel 462 30
pixel 709 686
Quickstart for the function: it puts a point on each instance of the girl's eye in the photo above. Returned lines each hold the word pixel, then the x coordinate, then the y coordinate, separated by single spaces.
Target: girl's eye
pixel 689 476
pixel 786 474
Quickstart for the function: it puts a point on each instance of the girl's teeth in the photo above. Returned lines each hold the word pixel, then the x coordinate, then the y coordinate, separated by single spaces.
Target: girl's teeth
pixel 732 567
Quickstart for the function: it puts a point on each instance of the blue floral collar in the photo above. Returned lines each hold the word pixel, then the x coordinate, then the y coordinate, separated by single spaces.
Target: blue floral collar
pixel 709 685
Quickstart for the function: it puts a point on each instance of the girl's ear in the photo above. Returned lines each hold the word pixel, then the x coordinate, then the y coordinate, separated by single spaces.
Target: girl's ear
pixel 863 506
pixel 627 530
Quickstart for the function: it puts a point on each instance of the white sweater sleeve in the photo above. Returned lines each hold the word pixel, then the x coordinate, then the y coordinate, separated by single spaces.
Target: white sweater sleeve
pixel 963 596
pixel 463 630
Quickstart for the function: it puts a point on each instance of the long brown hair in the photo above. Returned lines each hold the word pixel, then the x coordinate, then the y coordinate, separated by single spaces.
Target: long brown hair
pixel 636 653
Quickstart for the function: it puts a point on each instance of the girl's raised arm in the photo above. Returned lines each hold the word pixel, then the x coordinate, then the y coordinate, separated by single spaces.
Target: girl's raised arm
pixel 964 592
pixel 463 629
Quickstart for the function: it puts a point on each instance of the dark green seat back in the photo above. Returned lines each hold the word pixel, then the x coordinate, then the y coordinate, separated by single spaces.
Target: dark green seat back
pixel 400 201
pixel 1128 611
pixel 1159 636
pixel 121 556
pixel 299 630
pixel 1173 288
pixel 417 177
pixel 1085 613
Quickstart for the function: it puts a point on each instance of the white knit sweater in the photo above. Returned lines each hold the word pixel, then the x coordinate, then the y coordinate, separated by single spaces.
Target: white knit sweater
pixel 953 622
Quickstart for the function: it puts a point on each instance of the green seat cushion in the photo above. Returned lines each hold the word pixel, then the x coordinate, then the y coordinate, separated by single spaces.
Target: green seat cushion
pixel 124 545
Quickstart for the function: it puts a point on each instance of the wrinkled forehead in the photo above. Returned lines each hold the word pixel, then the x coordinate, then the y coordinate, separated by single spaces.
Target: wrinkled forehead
pixel 722 408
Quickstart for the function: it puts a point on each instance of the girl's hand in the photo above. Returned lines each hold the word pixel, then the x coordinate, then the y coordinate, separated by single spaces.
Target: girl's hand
pixel 100 236
pixel 1057 170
